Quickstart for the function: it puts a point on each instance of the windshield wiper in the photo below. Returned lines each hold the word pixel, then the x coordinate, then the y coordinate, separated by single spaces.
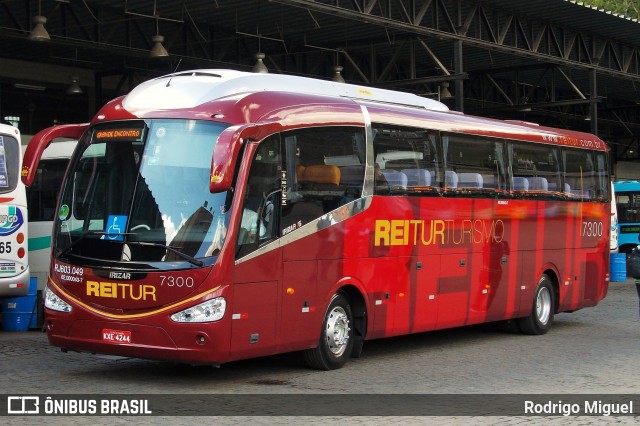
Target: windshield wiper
pixel 186 257
pixel 81 237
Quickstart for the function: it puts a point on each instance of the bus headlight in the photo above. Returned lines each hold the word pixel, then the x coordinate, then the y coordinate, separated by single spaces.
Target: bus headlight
pixel 53 302
pixel 209 311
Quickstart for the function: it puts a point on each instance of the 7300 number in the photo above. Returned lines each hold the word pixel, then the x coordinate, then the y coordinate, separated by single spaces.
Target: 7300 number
pixel 171 281
pixel 592 229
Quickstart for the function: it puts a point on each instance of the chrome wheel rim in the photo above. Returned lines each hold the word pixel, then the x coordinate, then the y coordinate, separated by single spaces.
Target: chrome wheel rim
pixel 337 331
pixel 543 305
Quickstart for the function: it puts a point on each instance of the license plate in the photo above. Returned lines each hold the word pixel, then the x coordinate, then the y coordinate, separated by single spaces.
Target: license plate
pixel 116 336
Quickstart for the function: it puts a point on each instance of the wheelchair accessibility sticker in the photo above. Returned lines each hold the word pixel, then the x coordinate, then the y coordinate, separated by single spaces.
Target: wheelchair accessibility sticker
pixel 116 226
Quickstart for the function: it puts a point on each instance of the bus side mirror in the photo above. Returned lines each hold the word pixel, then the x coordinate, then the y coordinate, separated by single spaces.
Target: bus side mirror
pixel 223 161
pixel 225 155
pixel 41 141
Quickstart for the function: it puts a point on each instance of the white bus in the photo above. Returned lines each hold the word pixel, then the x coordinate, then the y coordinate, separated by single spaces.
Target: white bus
pixel 42 197
pixel 14 259
pixel 613 240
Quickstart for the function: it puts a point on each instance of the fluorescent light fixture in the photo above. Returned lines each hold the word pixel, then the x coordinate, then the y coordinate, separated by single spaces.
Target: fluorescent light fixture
pixel 29 87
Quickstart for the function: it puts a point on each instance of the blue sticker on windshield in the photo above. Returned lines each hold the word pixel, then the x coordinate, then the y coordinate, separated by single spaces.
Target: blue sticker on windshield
pixel 115 227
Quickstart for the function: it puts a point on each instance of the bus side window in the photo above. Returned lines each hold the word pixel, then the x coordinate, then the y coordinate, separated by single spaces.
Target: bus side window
pixel 325 170
pixel 261 198
pixel 586 174
pixel 478 164
pixel 540 167
pixel 407 160
pixel 42 196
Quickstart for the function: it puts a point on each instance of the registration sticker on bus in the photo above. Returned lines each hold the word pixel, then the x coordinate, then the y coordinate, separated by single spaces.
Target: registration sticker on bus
pixel 116 336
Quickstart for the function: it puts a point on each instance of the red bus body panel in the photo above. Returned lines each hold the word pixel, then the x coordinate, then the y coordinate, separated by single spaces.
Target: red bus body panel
pixel 420 263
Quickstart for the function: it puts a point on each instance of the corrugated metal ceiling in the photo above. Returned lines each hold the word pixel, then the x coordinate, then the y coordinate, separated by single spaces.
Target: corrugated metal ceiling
pixel 307 37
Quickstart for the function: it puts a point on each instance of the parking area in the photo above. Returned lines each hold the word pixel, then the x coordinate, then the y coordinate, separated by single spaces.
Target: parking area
pixel 592 351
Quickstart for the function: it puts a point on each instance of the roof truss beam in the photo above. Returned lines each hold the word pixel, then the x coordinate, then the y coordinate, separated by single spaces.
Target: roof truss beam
pixel 490 28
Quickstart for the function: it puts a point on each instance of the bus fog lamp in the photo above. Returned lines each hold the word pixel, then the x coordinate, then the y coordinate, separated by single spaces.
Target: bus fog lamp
pixel 209 311
pixel 55 303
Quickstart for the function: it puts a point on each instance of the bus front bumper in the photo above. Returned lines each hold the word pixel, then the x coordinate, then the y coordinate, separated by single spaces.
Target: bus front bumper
pixel 188 343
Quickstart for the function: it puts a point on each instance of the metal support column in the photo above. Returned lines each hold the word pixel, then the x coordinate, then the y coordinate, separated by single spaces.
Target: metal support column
pixel 593 105
pixel 459 83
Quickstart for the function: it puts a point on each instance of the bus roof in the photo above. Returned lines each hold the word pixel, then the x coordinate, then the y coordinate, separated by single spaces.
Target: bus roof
pixel 188 89
pixel 8 129
pixel 238 97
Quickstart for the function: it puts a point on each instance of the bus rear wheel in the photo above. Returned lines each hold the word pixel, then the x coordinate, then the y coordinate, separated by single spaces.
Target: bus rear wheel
pixel 336 337
pixel 541 317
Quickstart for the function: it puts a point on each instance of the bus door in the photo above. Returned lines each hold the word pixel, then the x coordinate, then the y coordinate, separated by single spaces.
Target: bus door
pixel 258 270
pixel 323 177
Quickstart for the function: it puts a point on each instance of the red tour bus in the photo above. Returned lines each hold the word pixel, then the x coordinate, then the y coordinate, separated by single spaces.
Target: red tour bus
pixel 215 215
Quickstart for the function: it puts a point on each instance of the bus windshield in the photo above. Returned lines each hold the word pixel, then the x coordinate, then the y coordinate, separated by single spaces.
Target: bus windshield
pixel 139 192
pixel 9 163
pixel 629 207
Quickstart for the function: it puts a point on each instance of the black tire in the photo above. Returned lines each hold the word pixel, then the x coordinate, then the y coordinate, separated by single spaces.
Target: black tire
pixel 541 317
pixel 336 337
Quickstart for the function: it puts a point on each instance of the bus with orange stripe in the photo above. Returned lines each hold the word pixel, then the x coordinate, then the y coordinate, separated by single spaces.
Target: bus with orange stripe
pixel 215 215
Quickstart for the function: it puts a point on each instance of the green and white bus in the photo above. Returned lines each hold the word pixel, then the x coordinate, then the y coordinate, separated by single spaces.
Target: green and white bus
pixel 14 259
pixel 42 198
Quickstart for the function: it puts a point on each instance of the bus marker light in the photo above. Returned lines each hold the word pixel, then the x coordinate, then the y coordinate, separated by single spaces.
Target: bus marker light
pixel 240 316
pixel 20 238
pixel 290 291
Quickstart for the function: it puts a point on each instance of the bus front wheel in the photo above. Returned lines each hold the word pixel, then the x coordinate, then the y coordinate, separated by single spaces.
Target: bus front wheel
pixel 336 337
pixel 541 317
